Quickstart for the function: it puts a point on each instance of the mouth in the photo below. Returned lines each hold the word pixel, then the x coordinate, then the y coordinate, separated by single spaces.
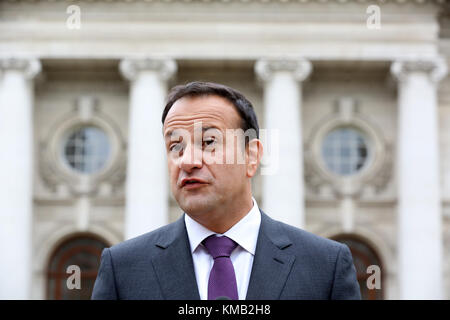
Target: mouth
pixel 192 183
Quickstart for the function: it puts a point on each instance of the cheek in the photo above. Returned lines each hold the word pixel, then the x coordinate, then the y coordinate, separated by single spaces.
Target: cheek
pixel 173 172
pixel 229 174
pixel 235 171
pixel 234 153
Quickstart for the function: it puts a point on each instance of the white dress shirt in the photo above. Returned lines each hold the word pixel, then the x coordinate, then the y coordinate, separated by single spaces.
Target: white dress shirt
pixel 244 233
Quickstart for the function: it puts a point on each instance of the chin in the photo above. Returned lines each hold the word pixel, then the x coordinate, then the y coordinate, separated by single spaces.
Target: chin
pixel 196 205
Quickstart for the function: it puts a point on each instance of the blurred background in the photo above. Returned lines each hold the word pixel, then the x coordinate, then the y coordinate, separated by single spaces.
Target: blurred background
pixel 357 89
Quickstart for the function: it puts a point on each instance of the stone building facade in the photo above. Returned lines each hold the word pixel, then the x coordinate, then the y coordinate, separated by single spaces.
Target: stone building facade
pixel 357 90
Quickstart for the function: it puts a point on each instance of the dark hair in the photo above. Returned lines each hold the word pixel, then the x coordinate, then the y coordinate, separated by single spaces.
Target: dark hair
pixel 198 89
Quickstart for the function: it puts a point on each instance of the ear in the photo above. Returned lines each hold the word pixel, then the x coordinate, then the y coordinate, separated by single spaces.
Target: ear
pixel 254 153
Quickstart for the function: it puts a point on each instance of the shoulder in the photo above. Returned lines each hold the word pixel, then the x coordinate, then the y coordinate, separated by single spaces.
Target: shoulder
pixel 308 242
pixel 322 267
pixel 312 253
pixel 310 239
pixel 147 243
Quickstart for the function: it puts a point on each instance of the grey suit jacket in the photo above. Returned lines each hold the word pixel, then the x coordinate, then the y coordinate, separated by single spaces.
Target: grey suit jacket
pixel 289 263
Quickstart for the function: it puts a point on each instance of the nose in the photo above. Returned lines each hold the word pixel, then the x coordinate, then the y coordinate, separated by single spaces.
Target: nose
pixel 191 159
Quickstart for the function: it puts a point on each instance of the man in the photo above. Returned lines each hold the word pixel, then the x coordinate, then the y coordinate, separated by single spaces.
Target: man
pixel 224 246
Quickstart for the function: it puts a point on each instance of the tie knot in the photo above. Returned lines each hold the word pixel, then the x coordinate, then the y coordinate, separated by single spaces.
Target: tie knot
pixel 219 246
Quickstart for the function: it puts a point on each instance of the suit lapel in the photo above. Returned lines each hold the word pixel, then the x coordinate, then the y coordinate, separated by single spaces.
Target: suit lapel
pixel 174 266
pixel 271 266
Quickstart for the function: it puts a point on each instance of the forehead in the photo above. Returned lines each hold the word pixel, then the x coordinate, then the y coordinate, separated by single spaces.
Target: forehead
pixel 211 109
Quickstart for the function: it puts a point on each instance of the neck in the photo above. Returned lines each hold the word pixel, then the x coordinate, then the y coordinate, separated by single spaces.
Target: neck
pixel 224 218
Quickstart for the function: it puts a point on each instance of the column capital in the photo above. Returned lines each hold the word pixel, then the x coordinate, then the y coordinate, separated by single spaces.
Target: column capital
pixel 435 68
pixel 300 68
pixel 30 67
pixel 131 67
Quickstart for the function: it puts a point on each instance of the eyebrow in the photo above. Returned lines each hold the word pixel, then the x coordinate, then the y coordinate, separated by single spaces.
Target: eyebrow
pixel 210 127
pixel 168 133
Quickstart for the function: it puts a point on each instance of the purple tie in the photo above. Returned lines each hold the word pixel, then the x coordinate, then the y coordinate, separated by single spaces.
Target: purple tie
pixel 222 279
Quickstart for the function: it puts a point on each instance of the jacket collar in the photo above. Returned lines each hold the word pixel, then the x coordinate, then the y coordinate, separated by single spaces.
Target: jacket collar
pixel 271 265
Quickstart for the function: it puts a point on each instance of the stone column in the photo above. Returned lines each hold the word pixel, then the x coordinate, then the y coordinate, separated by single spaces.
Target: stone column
pixel 16 175
pixel 147 184
pixel 419 208
pixel 283 189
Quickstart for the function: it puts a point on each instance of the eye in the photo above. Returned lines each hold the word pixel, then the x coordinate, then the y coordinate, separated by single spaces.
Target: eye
pixel 209 141
pixel 176 147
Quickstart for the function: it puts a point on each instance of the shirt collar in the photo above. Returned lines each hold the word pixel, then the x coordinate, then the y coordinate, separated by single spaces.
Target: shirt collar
pixel 244 232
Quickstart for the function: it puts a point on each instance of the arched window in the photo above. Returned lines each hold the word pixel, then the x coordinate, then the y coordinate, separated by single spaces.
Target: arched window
pixel 83 251
pixel 363 256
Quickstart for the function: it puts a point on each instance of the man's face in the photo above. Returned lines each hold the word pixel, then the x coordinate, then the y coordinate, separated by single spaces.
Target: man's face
pixel 202 177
